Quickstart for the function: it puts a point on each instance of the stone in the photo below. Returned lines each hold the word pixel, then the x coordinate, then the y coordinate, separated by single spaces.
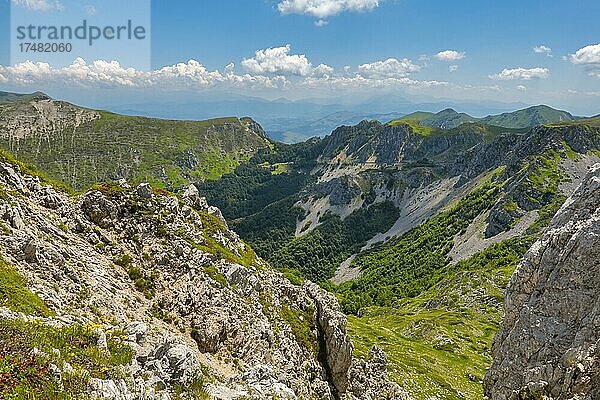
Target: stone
pixel 338 346
pixel 136 332
pixel 99 209
pixel 144 190
pixel 548 345
pixel 101 339
pixel 174 361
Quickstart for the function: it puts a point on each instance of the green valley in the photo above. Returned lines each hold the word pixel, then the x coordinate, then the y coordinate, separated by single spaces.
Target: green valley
pixel 415 225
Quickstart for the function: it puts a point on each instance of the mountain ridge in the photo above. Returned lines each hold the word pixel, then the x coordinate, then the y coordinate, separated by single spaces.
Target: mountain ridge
pixel 83 146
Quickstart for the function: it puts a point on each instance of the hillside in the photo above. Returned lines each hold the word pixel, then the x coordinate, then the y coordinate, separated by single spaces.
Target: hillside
pixel 125 293
pixel 528 117
pixel 416 229
pixel 547 346
pixel 80 146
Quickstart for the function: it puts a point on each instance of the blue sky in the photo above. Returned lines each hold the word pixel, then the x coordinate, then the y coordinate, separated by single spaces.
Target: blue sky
pixel 365 47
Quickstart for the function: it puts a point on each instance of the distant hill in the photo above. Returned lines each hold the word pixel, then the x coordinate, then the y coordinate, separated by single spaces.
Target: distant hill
pixel 532 116
pixel 537 115
pixel 10 97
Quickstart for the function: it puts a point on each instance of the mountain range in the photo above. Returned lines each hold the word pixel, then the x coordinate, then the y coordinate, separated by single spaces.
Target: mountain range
pixel 414 226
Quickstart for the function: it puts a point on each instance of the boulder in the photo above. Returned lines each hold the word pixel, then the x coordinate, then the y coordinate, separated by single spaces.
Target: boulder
pixel 99 209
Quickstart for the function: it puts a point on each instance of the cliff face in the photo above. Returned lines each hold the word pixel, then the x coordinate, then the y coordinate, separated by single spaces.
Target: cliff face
pixel 549 343
pixel 191 299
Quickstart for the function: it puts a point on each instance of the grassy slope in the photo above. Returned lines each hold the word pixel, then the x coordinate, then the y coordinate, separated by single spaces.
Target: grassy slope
pixel 528 117
pixel 166 153
pixel 22 375
pixel 438 342
pixel 415 125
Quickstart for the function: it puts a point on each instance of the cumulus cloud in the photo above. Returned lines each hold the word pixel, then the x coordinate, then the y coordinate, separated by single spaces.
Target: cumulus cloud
pixel 321 23
pixel 38 5
pixel 325 8
pixel 390 68
pixel 525 74
pixel 541 49
pixel 323 70
pixel 278 61
pixel 101 74
pixel 521 88
pixel 453 68
pixel 192 75
pixel 588 56
pixel 450 55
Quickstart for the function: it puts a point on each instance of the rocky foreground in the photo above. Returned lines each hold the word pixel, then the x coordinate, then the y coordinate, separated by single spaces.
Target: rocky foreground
pixel 549 344
pixel 166 277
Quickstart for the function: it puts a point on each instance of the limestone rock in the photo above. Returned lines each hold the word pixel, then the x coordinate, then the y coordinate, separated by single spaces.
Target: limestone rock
pixel 144 190
pixel 549 343
pixel 140 264
pixel 99 209
pixel 174 361
pixel 338 346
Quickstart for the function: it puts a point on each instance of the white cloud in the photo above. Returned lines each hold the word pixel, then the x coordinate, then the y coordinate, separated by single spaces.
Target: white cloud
pixel 323 70
pixel 453 68
pixel 360 82
pixel 521 88
pixel 390 68
pixel 541 49
pixel 588 56
pixel 39 5
pixel 321 23
pixel 521 73
pixel 103 74
pixel 450 55
pixel 278 61
pixel 325 8
pixel 192 75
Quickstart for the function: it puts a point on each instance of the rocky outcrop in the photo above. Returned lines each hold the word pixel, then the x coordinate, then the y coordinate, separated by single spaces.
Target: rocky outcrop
pixel 192 300
pixel 549 343
pixel 368 379
pixel 332 331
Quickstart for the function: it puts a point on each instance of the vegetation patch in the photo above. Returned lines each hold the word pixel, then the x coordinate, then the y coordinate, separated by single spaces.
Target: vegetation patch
pixel 15 295
pixel 195 389
pixel 24 375
pixel 415 126
pixel 407 266
pixel 438 343
pixel 303 325
pixel 317 254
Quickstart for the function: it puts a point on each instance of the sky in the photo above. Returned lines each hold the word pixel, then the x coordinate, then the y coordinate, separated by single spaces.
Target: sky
pixel 530 52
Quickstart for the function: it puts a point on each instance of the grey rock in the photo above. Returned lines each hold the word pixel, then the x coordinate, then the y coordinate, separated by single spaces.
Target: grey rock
pixel 101 339
pixel 338 346
pixel 192 197
pixel 174 361
pixel 549 342
pixel 369 381
pixel 144 190
pixel 99 209
pixel 136 332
